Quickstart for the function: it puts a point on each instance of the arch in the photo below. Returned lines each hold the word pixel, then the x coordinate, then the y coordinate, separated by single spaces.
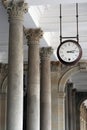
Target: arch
pixel 71 71
pixel 83 97
pixel 82 100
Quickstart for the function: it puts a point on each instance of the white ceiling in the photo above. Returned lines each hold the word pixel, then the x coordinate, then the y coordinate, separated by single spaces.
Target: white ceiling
pixel 80 81
pixel 45 14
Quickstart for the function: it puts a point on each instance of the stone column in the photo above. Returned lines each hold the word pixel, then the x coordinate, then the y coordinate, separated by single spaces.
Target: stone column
pixel 33 88
pixel 86 118
pixel 77 118
pixel 16 12
pixel 3 95
pixel 55 73
pixel 3 98
pixel 45 91
pixel 66 109
pixel 70 106
pixel 74 108
pixel 61 111
pixel 81 124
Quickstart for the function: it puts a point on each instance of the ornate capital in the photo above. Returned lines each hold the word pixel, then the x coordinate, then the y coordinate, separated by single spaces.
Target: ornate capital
pixel 46 52
pixel 15 9
pixel 33 35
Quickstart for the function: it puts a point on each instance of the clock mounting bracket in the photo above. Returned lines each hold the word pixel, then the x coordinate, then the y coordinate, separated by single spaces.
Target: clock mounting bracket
pixel 74 37
pixel 66 42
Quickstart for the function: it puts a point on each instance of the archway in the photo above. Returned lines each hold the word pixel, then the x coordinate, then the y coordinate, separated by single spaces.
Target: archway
pixel 81 66
pixel 66 74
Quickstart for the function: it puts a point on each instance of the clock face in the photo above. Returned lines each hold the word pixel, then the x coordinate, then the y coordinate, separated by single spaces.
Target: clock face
pixel 69 52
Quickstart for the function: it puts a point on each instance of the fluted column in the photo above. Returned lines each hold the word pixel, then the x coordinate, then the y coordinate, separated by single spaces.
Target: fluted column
pixel 45 91
pixel 61 111
pixel 66 109
pixel 33 90
pixel 3 98
pixel 77 118
pixel 16 12
pixel 74 108
pixel 81 124
pixel 86 118
pixel 70 105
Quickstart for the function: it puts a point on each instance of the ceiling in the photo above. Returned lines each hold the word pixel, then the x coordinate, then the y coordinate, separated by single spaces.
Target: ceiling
pixel 45 14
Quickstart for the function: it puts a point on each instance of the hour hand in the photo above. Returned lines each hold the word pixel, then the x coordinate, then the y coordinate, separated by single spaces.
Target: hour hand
pixel 72 51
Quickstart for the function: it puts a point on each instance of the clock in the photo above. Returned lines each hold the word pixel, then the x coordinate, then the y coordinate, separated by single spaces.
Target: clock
pixel 69 52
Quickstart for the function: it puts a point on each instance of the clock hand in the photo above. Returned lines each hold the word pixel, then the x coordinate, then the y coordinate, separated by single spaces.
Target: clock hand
pixel 70 51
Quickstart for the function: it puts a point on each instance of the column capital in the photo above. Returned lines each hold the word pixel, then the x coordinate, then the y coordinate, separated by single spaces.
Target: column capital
pixel 15 9
pixel 33 35
pixel 46 52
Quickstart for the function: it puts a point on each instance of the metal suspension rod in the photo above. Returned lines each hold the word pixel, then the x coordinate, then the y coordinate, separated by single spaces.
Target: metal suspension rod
pixel 77 36
pixel 77 21
pixel 60 25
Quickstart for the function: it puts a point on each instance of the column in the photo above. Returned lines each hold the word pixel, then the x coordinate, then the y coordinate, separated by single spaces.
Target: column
pixel 74 108
pixel 70 106
pixel 81 123
pixel 86 118
pixel 66 109
pixel 55 72
pixel 45 91
pixel 33 91
pixel 3 95
pixel 16 12
pixel 77 118
pixel 3 98
pixel 61 111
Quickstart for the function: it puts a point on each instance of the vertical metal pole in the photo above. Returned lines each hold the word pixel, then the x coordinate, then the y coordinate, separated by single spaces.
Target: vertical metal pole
pixel 60 25
pixel 77 21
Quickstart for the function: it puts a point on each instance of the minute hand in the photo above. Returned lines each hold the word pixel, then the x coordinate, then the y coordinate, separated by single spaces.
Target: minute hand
pixel 71 51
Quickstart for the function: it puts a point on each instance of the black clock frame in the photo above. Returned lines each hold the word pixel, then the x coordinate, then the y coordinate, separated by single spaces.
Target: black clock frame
pixel 75 61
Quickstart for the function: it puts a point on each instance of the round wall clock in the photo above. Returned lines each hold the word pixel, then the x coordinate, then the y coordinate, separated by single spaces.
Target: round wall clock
pixel 69 52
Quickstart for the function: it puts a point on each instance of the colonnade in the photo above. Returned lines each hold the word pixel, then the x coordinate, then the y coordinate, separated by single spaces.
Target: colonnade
pixel 39 79
pixel 36 92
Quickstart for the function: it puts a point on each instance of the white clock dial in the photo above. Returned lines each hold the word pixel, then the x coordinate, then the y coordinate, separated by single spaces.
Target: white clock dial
pixel 69 52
